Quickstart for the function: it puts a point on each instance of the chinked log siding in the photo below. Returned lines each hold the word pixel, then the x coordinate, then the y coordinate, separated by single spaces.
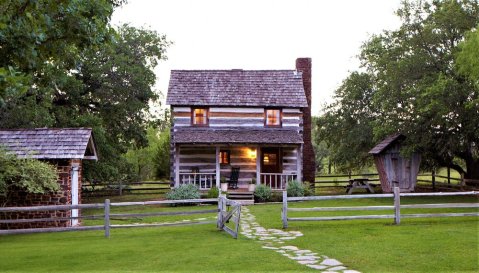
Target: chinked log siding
pixel 238 117
pixel 244 157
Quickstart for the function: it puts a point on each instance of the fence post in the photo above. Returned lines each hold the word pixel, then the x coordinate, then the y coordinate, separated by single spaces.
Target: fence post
pixel 284 214
pixel 433 177
pixel 220 211
pixel 120 188
pixel 107 218
pixel 397 206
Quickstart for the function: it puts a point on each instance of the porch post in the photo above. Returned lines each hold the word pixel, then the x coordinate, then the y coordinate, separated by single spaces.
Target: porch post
pixel 177 166
pixel 299 163
pixel 258 165
pixel 217 167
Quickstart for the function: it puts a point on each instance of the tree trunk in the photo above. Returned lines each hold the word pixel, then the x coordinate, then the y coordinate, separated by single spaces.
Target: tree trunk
pixel 472 167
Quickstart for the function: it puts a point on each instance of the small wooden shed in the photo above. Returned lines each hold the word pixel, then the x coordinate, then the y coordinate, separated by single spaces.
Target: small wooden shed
pixel 64 148
pixel 394 169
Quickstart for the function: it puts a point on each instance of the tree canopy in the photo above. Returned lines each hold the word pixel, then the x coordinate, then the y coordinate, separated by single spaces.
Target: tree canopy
pixel 63 65
pixel 410 83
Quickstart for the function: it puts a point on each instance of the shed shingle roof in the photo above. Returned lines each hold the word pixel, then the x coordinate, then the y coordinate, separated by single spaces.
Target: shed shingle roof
pixel 239 136
pixel 274 88
pixel 383 145
pixel 49 143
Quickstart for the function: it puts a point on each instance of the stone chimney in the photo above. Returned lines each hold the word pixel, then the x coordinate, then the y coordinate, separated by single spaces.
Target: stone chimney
pixel 309 165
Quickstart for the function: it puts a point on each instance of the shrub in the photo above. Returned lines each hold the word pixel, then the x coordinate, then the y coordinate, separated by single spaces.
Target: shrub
pixel 295 189
pixel 276 197
pixel 185 191
pixel 308 190
pixel 213 193
pixel 29 175
pixel 262 193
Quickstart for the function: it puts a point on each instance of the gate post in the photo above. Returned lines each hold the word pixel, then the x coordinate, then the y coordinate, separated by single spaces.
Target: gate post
pixel 284 212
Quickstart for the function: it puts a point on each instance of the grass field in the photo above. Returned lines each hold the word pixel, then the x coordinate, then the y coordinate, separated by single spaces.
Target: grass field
pixel 417 245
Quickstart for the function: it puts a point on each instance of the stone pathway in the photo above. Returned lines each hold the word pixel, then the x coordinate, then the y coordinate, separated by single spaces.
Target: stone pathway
pixel 279 241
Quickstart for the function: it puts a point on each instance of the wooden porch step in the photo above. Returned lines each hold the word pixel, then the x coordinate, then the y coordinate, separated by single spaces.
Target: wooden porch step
pixel 243 197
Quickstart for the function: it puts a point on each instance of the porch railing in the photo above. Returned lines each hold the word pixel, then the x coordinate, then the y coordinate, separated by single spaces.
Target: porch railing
pixel 204 181
pixel 277 181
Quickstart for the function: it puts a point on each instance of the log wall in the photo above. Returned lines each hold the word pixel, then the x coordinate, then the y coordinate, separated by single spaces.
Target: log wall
pixel 237 117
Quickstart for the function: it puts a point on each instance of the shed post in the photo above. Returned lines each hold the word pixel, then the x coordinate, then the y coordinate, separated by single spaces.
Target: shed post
pixel 74 191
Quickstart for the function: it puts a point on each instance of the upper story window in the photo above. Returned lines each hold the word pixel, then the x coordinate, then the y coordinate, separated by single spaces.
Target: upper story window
pixel 199 116
pixel 272 117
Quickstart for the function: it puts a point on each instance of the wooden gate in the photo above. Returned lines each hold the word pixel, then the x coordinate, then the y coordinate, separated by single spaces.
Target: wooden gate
pixel 229 210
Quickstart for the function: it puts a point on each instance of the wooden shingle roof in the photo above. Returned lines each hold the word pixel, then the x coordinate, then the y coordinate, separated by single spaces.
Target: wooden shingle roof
pixel 272 88
pixel 49 143
pixel 383 145
pixel 238 136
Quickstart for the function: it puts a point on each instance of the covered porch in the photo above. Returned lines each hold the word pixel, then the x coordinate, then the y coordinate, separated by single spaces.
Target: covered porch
pixel 204 165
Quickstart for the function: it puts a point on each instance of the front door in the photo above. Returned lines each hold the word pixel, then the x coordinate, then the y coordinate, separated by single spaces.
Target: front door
pixel 270 165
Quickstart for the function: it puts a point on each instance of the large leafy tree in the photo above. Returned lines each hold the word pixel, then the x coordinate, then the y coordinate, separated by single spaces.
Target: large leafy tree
pixel 63 65
pixel 414 87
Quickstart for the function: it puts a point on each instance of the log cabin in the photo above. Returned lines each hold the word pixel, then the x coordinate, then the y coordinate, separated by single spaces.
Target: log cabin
pixel 257 121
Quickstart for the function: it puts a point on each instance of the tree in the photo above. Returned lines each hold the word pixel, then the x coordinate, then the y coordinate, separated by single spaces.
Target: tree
pixel 29 175
pixel 415 88
pixel 38 38
pixel 346 126
pixel 62 65
pixel 468 56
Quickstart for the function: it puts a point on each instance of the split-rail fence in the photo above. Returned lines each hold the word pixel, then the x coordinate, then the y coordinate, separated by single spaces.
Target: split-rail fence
pixel 226 210
pixel 396 207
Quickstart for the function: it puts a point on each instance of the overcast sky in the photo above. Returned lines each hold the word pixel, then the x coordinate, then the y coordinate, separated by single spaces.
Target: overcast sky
pixel 263 34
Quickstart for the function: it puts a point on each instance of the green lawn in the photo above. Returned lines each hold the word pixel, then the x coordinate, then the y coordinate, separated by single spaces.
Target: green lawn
pixel 417 245
pixel 198 248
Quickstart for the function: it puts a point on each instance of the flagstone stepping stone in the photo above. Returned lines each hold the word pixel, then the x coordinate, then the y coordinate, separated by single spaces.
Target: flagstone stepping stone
pixel 316 266
pixel 307 262
pixel 337 268
pixel 269 247
pixel 288 238
pixel 289 247
pixel 331 262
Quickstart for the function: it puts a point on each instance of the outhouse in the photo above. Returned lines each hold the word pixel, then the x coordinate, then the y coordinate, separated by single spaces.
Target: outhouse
pixel 393 168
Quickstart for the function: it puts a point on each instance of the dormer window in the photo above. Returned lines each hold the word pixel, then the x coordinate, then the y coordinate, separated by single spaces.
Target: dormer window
pixel 272 117
pixel 199 116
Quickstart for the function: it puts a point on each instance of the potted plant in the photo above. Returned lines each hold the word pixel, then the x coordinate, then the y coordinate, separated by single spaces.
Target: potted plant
pixel 224 184
pixel 252 185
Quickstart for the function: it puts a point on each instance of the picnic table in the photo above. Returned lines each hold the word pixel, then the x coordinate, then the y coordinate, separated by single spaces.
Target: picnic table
pixel 359 183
